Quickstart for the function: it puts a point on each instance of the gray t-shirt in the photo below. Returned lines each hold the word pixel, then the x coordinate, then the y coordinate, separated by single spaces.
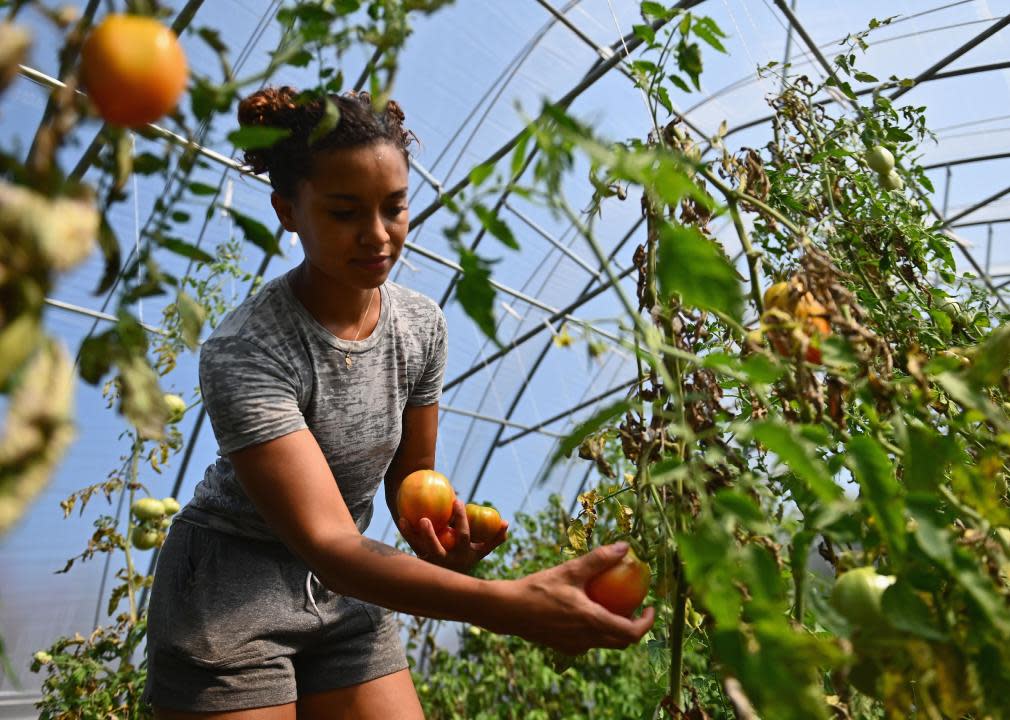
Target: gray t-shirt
pixel 270 369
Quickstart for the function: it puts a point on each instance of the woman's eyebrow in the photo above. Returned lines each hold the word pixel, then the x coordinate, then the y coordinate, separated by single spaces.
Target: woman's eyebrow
pixel 350 197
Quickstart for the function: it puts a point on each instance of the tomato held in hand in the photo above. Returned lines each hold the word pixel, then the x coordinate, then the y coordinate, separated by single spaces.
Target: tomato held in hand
pixel 426 494
pixel 622 588
pixel 485 522
pixel 133 68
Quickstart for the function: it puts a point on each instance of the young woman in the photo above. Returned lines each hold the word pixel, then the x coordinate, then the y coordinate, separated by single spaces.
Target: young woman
pixel 268 603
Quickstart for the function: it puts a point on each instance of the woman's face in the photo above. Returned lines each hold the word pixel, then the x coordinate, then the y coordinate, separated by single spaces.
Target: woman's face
pixel 351 214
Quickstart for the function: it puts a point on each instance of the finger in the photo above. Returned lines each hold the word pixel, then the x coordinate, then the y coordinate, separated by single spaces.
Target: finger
pixel 593 563
pixel 429 540
pixel 461 523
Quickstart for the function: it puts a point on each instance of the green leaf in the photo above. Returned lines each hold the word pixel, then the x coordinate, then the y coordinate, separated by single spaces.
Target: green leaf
pixel 199 188
pixel 187 250
pixel 327 123
pixel 257 136
pixel 992 359
pixel 496 226
pixel 481 173
pixel 256 232
pixel 707 29
pixel 475 292
pixel 191 318
pixel 798 453
pixel 865 77
pixel 906 611
pixel 927 455
pixel 697 269
pixel 875 475
pixel 762 370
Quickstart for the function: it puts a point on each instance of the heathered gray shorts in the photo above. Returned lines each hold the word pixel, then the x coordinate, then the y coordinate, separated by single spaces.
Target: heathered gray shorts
pixel 237 624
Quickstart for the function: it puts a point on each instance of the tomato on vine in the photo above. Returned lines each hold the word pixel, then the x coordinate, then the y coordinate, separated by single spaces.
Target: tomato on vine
pixel 133 68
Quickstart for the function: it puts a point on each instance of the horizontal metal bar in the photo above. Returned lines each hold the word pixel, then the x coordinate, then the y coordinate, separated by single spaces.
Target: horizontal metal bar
pixel 497 421
pixel 566 413
pixel 967 160
pixel 172 137
pixel 156 131
pixel 70 307
pixel 976 223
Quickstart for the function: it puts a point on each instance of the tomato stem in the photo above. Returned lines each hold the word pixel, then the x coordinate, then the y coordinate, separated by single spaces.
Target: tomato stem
pixel 130 570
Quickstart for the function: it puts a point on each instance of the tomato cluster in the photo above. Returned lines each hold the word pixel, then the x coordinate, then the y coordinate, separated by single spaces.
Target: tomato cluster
pixel 153 518
pixel 793 319
pixel 428 494
pixel 880 160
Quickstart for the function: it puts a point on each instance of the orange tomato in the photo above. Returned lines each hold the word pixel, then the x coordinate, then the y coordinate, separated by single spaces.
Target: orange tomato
pixel 485 522
pixel 133 68
pixel 426 494
pixel 622 588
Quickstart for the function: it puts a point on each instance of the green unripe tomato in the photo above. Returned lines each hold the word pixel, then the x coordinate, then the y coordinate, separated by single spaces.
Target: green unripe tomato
pixel 880 159
pixel 147 509
pixel 891 181
pixel 857 596
pixel 43 658
pixel 176 407
pixel 166 523
pixel 144 538
pixel 171 505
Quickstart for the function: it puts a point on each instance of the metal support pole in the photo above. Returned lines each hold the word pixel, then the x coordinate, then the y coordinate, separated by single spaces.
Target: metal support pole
pixel 977 206
pixel 553 241
pixel 539 328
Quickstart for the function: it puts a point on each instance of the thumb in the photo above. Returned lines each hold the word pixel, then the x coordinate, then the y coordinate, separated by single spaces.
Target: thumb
pixel 593 563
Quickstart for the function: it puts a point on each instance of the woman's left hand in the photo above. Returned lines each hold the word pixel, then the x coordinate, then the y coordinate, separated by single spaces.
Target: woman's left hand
pixel 464 554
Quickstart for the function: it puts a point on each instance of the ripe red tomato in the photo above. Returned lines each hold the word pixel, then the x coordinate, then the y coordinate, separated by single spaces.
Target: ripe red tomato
pixel 133 68
pixel 447 537
pixel 622 588
pixel 485 522
pixel 426 494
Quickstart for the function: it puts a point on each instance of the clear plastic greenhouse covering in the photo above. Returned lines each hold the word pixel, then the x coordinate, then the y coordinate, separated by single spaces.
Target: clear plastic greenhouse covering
pixel 469 76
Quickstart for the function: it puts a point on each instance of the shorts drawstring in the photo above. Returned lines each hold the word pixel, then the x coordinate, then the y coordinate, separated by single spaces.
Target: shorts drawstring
pixel 308 591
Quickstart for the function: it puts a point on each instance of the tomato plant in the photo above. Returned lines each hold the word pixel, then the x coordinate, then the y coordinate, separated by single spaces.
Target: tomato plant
pixel 425 494
pixel 484 521
pixel 134 69
pixel 622 588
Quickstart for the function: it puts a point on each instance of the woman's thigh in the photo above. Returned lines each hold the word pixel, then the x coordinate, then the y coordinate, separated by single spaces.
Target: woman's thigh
pixel 390 697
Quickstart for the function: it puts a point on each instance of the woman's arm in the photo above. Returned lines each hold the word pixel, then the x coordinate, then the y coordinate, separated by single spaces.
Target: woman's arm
pixel 417 452
pixel 292 487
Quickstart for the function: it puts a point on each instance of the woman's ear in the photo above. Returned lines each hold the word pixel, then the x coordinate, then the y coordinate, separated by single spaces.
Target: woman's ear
pixel 285 210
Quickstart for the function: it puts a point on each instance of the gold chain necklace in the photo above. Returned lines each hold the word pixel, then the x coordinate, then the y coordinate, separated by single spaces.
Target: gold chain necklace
pixel 347 353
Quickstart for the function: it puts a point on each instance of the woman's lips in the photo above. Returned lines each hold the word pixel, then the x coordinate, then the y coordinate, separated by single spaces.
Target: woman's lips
pixel 380 262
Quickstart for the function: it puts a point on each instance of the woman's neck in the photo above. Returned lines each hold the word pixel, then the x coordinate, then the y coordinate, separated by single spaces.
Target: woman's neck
pixel 344 311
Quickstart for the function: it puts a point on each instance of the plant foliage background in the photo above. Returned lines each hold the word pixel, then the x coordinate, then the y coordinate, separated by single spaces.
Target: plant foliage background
pixel 853 415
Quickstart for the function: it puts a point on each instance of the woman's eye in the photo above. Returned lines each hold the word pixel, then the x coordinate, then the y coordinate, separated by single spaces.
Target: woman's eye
pixel 342 214
pixel 394 211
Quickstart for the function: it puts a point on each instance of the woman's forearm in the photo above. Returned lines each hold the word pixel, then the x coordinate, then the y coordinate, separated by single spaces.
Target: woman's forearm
pixel 351 564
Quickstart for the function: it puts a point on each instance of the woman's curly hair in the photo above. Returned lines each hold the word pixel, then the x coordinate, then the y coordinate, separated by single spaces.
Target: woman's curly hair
pixel 289 160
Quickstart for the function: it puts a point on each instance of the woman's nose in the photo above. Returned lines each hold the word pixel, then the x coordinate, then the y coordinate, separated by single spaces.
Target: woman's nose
pixel 374 232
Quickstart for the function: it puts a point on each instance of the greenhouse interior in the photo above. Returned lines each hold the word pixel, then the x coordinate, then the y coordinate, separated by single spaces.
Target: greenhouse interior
pixel 723 280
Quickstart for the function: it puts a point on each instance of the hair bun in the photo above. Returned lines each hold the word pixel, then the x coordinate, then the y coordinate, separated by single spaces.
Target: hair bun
pixel 269 106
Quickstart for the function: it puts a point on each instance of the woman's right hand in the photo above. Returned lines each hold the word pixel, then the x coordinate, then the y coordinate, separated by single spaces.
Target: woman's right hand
pixel 551 607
